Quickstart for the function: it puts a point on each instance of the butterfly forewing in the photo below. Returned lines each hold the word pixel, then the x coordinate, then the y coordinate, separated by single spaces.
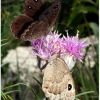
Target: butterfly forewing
pixel 33 8
pixel 50 15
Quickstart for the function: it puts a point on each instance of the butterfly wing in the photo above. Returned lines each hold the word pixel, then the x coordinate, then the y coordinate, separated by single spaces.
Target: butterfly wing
pixel 33 8
pixel 58 83
pixel 50 15
pixel 19 24
pixel 34 31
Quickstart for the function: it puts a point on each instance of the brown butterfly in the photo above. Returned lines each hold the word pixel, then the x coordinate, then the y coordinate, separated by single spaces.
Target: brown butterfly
pixel 35 22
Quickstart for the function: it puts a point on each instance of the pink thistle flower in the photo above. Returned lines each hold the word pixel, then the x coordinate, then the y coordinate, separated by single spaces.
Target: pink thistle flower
pixel 74 46
pixel 45 47
pixel 69 47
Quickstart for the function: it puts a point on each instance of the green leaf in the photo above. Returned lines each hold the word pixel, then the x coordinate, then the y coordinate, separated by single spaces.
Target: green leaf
pixel 84 93
pixel 97 3
pixel 75 12
pixel 87 1
pixel 9 97
pixel 12 91
pixel 77 99
pixel 91 9
pixel 4 64
pixel 3 96
pixel 94 26
pixel 5 43
pixel 21 84
pixel 4 40
pixel 37 81
pixel 81 9
pixel 80 27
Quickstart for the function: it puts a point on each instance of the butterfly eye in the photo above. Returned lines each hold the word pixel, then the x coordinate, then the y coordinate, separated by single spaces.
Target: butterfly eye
pixel 29 7
pixel 36 0
pixel 46 13
pixel 56 6
pixel 69 87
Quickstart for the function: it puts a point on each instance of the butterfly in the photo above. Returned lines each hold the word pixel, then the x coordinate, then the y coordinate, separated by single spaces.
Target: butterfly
pixel 36 21
pixel 58 83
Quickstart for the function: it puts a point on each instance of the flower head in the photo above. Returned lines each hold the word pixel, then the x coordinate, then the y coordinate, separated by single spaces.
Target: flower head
pixel 45 47
pixel 69 47
pixel 74 46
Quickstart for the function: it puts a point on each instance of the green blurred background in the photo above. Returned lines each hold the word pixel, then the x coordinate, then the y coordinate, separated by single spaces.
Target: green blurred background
pixel 75 15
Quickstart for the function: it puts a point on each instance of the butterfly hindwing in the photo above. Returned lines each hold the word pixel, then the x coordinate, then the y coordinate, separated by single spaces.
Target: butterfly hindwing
pixel 34 31
pixel 58 83
pixel 19 24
